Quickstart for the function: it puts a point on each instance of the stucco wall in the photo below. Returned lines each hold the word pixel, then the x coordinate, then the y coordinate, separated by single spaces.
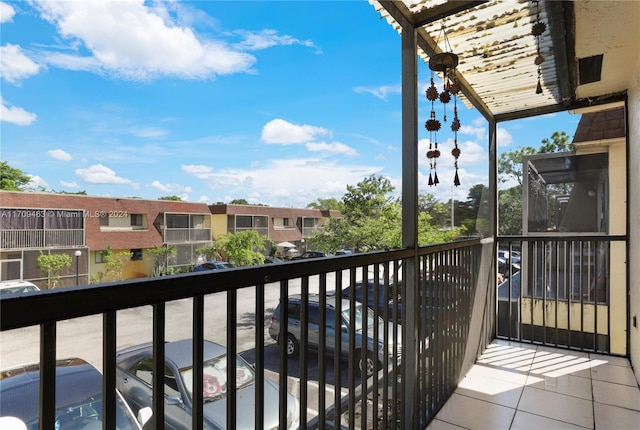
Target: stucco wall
pixel 634 214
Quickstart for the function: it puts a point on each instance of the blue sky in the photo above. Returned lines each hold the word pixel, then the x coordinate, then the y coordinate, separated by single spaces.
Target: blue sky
pixel 276 102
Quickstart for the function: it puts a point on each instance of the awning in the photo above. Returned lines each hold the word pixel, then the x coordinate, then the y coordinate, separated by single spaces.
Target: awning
pixel 286 245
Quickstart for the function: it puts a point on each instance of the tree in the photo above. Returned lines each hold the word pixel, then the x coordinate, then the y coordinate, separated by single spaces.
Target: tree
pixel 75 193
pixel 115 262
pixel 472 214
pixel 171 198
pixel 510 206
pixel 510 162
pixel 372 220
pixel 429 233
pixel 510 167
pixel 51 265
pixel 208 252
pixel 327 204
pixel 239 202
pixel 243 248
pixel 12 179
pixel 161 255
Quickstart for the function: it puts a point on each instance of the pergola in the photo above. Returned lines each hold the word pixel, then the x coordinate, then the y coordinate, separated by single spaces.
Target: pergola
pixel 590 62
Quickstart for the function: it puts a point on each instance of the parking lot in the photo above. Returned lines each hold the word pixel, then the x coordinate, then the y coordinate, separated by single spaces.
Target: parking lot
pixel 81 337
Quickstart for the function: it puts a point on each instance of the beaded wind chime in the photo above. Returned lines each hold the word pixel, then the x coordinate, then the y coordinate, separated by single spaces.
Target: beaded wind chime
pixel 446 63
pixel 536 30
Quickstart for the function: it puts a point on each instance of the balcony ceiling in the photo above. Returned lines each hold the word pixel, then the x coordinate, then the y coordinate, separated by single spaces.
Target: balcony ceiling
pixel 497 50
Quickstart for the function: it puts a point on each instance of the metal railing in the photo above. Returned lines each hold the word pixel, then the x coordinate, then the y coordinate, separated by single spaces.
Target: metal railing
pixel 182 235
pixel 41 238
pixel 422 364
pixel 560 291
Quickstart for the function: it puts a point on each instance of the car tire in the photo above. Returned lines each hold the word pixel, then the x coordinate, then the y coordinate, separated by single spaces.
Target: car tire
pixel 293 347
pixel 369 363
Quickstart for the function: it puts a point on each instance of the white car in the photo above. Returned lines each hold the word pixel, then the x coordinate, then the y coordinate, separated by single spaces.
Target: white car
pixel 8 288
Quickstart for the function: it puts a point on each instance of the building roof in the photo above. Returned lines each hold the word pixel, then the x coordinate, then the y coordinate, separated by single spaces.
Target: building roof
pixel 589 50
pixel 594 126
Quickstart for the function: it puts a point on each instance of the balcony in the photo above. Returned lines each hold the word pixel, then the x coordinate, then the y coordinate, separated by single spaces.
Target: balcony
pixel 233 308
pixel 185 235
pixel 450 311
pixel 41 238
pixel 517 385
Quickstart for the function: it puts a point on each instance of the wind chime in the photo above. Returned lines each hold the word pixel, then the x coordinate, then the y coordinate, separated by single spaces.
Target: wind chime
pixel 446 63
pixel 537 29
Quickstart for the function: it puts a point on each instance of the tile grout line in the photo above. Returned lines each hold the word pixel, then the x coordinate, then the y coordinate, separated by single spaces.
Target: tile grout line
pixel 523 387
pixel 593 395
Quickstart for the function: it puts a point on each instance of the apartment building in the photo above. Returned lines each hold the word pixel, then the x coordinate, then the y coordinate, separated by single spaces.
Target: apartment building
pixel 83 227
pixel 278 224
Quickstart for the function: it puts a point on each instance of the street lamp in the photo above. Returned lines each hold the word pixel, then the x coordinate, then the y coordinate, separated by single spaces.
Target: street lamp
pixel 78 253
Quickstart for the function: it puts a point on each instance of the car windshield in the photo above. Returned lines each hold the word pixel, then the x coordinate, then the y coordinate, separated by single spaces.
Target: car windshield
pixel 88 414
pixel 359 309
pixel 214 384
pixel 16 290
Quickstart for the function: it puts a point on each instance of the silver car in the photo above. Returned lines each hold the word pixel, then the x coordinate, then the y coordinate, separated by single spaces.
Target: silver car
pixel 134 380
pixel 377 349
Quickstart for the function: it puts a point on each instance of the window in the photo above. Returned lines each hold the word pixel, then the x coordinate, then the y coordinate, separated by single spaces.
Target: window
pixel 177 220
pixel 104 219
pixel 283 223
pixel 144 370
pixel 309 222
pixel 243 221
pixel 136 220
pixel 99 257
pixel 566 193
pixel 136 254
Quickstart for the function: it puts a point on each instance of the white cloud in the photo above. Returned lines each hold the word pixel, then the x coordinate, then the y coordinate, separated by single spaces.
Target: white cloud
pixel 148 132
pixel 288 182
pixel 15 65
pixel 15 115
pixel 253 41
pixel 504 137
pixel 171 188
pixel 59 154
pixel 199 171
pixel 380 92
pixel 331 148
pixel 133 41
pixel 6 12
pixel 283 132
pixel 37 182
pixel 72 184
pixel 480 132
pixel 99 174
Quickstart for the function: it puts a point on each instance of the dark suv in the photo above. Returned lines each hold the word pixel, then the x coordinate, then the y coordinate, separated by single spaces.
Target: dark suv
pixel 375 350
pixel 310 254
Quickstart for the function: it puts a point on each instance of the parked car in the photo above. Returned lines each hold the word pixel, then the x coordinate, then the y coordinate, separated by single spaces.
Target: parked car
pixel 9 288
pixel 272 260
pixel 343 252
pixel 506 268
pixel 386 299
pixel 78 397
pixel 134 380
pixel 514 256
pixel 310 254
pixel 294 328
pixel 213 265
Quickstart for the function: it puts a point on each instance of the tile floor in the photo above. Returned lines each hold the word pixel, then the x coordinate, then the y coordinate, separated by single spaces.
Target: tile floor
pixel 522 386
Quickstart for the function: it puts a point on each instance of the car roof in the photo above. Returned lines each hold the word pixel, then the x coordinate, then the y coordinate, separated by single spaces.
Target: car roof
pixel 180 352
pixel 76 380
pixel 315 299
pixel 17 283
